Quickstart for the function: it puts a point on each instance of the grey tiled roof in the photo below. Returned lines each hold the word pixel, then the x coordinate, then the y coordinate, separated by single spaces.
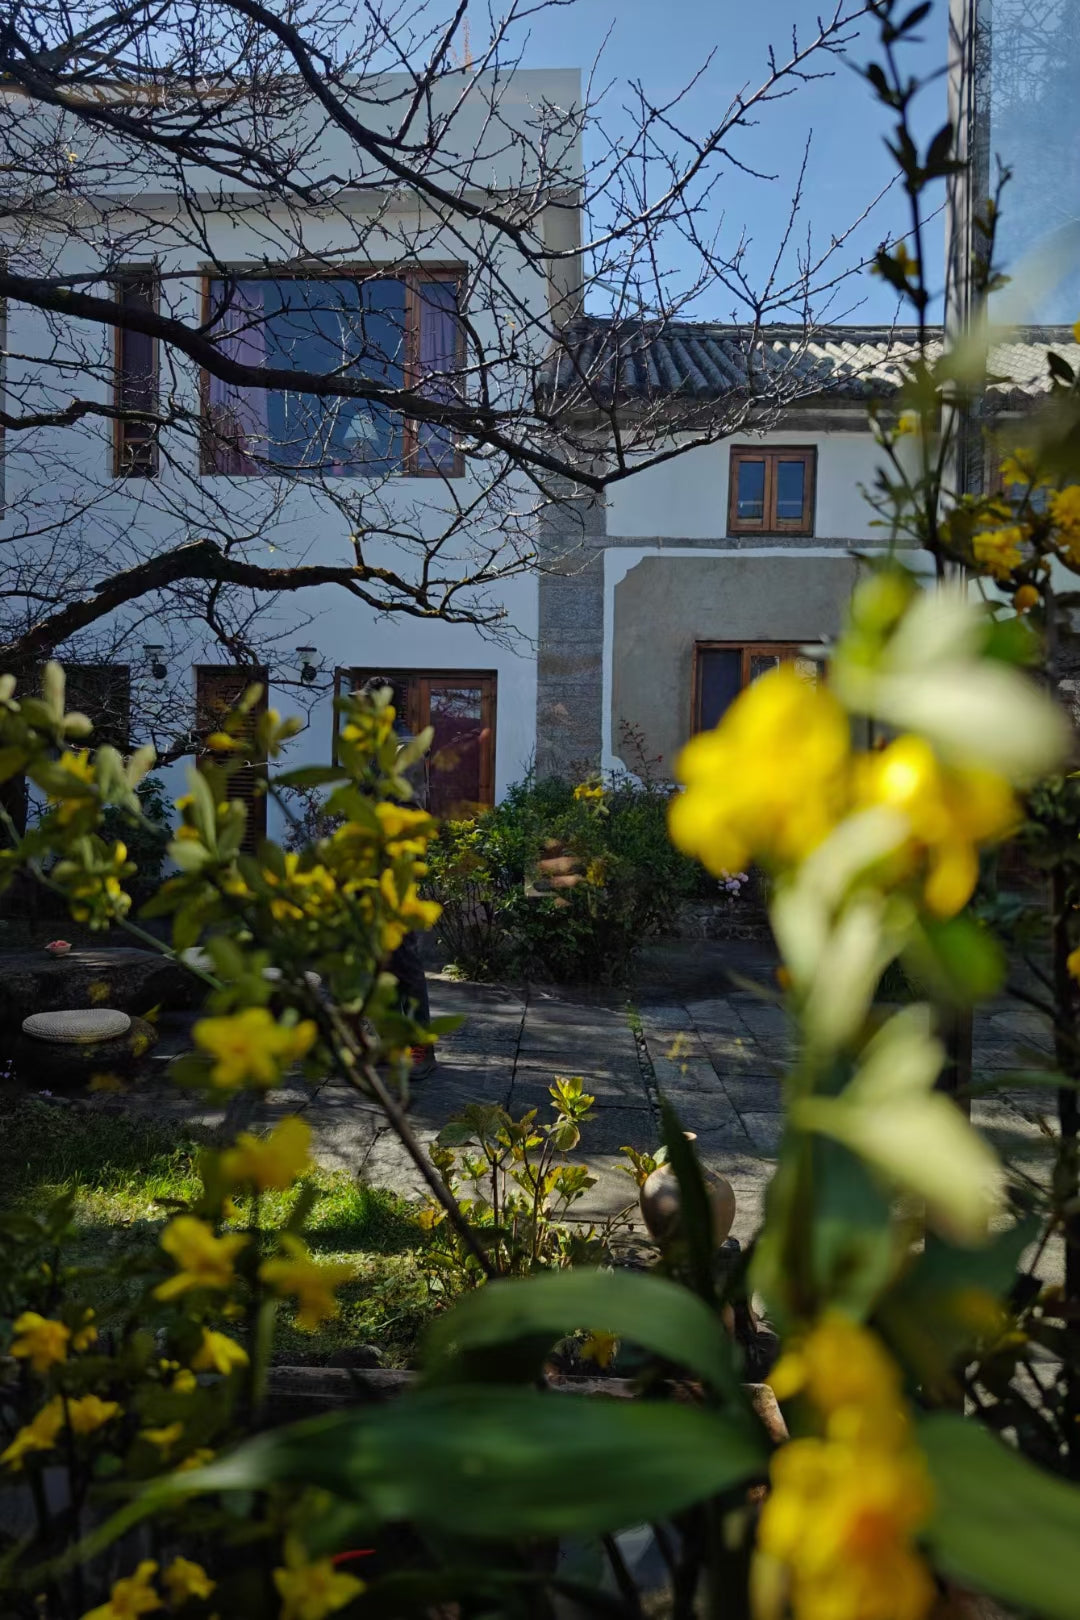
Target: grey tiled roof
pixel 601 362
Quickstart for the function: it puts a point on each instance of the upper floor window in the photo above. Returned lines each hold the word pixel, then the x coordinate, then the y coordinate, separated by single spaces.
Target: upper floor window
pixel 401 330
pixel 135 450
pixel 771 490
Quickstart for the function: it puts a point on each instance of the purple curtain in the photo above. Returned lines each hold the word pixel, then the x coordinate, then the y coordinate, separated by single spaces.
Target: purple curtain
pixel 238 416
pixel 440 366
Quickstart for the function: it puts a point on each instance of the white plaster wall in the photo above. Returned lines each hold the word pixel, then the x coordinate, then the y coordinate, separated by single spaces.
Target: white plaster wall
pixel 51 472
pixel 687 499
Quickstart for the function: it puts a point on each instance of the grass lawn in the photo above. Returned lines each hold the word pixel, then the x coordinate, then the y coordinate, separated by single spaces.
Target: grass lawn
pixel 120 1168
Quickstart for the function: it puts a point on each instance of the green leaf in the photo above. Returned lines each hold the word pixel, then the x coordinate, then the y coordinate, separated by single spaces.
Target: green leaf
pixel 1000 1524
pixel 498 1463
pixel 660 1316
pixel 310 776
pixel 695 1206
pixel 944 1302
pixel 960 961
pixel 916 1137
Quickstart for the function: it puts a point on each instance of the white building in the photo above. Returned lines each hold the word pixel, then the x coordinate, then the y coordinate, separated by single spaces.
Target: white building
pixel 651 606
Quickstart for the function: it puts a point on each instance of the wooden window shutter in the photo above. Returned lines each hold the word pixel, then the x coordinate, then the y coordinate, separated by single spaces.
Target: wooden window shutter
pixel 135 448
pixel 218 688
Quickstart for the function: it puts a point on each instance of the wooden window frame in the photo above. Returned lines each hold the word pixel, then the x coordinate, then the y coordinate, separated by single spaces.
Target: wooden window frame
pixel 412 276
pixel 348 678
pixel 769 523
pixel 787 651
pixel 251 675
pixel 121 463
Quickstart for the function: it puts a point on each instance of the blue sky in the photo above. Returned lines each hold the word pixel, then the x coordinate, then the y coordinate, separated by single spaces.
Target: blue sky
pixel 663 44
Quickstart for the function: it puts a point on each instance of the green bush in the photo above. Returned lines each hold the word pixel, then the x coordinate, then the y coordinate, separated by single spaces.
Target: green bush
pixel 631 880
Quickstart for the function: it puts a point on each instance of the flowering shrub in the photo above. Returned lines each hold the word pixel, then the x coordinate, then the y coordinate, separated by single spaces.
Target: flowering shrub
pixel 632 880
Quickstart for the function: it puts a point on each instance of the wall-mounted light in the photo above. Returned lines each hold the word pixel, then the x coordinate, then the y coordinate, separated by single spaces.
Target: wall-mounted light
pixel 153 652
pixel 309 670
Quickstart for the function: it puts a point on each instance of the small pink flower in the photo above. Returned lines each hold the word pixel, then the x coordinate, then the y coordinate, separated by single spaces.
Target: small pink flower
pixel 58 947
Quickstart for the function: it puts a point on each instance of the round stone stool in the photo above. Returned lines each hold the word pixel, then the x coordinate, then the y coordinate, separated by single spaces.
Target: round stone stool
pixel 70 1046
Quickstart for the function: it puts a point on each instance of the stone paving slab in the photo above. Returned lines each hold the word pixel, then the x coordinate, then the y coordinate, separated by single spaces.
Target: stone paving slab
pixel 694 1032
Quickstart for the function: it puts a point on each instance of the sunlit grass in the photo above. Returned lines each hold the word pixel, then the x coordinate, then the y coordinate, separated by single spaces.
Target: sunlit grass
pixel 124 1172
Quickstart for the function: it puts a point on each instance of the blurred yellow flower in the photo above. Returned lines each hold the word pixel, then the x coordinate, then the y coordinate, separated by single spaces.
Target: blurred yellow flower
pixel 770 782
pixel 203 1260
pixel 40 1434
pixel 85 1336
pixel 951 811
pixel 311 1591
pixel 407 912
pixel 90 1413
pixel 844 1510
pixel 1019 467
pixel 130 1597
pixel 1025 599
pixel 164 1439
pixel 252 1047
pixel 1065 515
pixel 590 792
pixel 998 550
pixel 312 1282
pixel 841 1522
pixel 185 1382
pixel 80 766
pixel 218 1353
pixel 185 1579
pixel 1072 962
pixel 842 1369
pixel 40 1340
pixel 271 1161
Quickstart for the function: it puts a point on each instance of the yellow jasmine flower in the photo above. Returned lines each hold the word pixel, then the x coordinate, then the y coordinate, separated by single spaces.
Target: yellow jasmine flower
pixel 203 1454
pixel 842 1369
pixel 272 1161
pixel 1072 962
pixel 218 1353
pixel 203 1260
pixel 1025 599
pixel 79 766
pixel 90 1412
pixel 311 1591
pixel 951 811
pixel 908 422
pixel 408 912
pixel 311 1281
pixel 221 743
pixel 841 1520
pixel 407 832
pixel 771 781
pixel 164 1438
pixel 40 1434
pixel 998 550
pixel 40 1340
pixel 185 1382
pixel 185 1579
pixel 130 1597
pixel 1065 515
pixel 589 791
pixel 1019 467
pixel 252 1047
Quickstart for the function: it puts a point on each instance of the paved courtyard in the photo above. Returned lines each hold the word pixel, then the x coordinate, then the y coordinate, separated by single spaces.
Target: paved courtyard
pixel 694 1028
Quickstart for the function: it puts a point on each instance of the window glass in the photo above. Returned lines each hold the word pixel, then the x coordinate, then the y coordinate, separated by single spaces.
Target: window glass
pixel 719 677
pixel 761 663
pixel 790 491
pixel 751 497
pixel 328 324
